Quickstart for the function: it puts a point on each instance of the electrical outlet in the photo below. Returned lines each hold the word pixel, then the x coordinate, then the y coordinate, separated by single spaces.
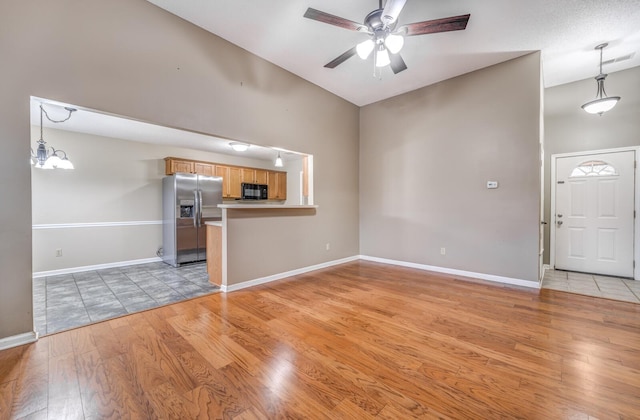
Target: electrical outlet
pixel 443 251
pixel 328 246
pixel 59 252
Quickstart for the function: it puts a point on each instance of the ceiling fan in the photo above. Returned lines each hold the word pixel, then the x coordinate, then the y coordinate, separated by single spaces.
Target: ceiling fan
pixel 385 40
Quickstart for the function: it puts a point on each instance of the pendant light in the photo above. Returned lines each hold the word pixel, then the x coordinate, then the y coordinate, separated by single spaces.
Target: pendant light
pixel 50 158
pixel 602 103
pixel 278 163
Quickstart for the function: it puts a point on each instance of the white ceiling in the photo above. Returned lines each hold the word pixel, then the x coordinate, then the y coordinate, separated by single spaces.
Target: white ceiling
pixel 566 31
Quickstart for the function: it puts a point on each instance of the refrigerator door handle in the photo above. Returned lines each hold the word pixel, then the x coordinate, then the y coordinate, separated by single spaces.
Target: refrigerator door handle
pixel 195 208
pixel 199 208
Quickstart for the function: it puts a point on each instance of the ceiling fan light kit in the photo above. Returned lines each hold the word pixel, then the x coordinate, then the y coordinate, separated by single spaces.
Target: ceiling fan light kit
pixel 364 48
pixel 602 103
pixel 382 57
pixel 385 41
pixel 394 43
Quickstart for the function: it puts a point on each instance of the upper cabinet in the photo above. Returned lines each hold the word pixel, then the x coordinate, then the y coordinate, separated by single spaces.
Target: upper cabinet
pixel 231 181
pixel 173 165
pixel 204 168
pixel 232 176
pixel 254 176
pixel 277 183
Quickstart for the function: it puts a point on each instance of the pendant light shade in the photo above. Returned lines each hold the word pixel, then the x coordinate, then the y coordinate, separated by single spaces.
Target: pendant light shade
pixel 600 106
pixel 602 103
pixel 278 163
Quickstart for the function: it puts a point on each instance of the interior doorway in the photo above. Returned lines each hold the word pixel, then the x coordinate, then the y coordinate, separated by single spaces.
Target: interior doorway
pixel 593 203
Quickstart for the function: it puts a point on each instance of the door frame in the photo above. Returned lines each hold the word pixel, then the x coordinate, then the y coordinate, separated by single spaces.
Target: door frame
pixel 636 204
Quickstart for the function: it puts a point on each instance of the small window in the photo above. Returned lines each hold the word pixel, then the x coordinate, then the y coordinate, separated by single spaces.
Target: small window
pixel 594 168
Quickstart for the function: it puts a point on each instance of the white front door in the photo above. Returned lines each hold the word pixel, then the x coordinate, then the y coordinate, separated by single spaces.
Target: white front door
pixel 594 213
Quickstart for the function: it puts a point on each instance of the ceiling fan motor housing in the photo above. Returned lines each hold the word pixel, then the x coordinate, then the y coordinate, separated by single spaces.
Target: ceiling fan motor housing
pixel 377 27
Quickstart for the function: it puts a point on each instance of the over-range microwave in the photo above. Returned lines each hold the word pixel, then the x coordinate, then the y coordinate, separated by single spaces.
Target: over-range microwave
pixel 254 191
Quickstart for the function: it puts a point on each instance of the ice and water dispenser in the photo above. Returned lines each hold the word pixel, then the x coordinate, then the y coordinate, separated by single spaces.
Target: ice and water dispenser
pixel 186 208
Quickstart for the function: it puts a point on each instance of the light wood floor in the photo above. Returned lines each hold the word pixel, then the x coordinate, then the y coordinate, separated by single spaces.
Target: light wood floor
pixel 360 340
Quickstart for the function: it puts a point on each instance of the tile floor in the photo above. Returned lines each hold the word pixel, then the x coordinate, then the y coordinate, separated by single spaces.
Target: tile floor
pixel 593 285
pixel 70 300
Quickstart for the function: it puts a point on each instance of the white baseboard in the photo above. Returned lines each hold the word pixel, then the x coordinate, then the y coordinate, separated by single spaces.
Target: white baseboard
pixel 18 340
pixel 482 276
pixel 96 224
pixel 71 270
pixel 279 276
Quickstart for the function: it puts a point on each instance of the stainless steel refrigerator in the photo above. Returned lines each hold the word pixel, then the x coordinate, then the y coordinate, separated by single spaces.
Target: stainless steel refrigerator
pixel 189 201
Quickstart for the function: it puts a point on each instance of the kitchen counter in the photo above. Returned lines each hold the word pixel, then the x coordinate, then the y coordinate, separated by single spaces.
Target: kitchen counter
pixel 250 206
pixel 218 223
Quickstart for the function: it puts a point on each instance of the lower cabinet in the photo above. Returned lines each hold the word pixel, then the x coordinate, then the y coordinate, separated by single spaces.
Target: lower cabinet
pixel 214 254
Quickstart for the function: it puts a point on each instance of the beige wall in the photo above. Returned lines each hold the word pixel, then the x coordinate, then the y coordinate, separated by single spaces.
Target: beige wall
pixel 425 158
pixel 253 233
pixel 114 180
pixel 131 58
pixel 569 129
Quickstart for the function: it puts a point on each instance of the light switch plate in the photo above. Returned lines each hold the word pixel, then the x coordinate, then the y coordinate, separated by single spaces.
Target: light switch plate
pixel 492 184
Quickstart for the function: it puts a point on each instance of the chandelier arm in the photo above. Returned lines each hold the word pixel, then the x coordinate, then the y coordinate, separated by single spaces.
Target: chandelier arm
pixel 57 151
pixel 70 110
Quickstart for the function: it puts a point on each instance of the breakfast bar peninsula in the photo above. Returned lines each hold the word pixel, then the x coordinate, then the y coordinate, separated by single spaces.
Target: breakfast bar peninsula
pixel 256 243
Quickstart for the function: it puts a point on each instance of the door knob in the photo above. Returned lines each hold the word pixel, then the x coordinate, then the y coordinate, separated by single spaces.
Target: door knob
pixel 559 222
pixel 559 215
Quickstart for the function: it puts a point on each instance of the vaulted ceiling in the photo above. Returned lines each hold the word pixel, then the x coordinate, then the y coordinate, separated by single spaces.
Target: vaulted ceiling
pixel 566 31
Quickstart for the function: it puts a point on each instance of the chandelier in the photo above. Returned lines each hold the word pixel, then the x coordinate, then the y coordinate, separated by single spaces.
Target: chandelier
pixel 49 157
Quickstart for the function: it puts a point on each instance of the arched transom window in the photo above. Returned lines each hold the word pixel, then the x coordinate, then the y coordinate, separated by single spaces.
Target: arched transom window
pixel 594 168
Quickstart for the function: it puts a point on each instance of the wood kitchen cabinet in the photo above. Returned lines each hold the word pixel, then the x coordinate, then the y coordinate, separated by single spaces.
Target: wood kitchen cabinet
pixel 231 180
pixel 173 165
pixel 262 176
pixel 277 182
pixel 254 176
pixel 201 168
pixel 232 176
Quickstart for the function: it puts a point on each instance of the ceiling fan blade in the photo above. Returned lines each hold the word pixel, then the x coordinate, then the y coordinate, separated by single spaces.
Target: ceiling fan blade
pixel 392 9
pixel 397 63
pixel 334 20
pixel 454 23
pixel 341 58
